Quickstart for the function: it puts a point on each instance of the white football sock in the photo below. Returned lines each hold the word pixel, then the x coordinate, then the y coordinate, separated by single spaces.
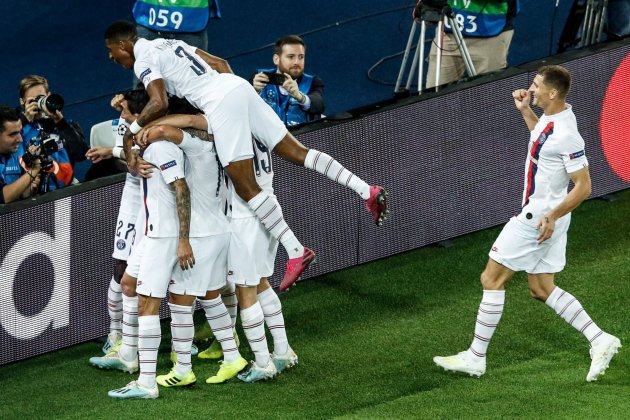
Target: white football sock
pixel 149 337
pixel 129 348
pixel 221 325
pixel 182 333
pixel 228 296
pixel 272 309
pixel 327 165
pixel 268 211
pixel 570 309
pixel 253 322
pixel 115 306
pixel 488 317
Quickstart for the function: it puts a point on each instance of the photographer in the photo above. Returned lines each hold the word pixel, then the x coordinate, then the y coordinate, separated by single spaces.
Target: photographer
pixel 296 97
pixel 15 181
pixel 487 27
pixel 58 141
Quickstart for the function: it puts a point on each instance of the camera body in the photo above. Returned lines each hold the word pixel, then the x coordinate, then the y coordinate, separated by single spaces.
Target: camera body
pixel 275 78
pixel 47 145
pixel 432 10
pixel 50 103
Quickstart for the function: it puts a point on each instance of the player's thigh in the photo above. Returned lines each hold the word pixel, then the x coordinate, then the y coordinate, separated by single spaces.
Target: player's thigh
pixel 262 246
pixel 156 267
pixel 266 126
pixel 209 271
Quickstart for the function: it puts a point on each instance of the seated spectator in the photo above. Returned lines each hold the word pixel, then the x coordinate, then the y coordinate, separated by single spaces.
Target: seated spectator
pixel 16 181
pixel 300 98
pixel 41 123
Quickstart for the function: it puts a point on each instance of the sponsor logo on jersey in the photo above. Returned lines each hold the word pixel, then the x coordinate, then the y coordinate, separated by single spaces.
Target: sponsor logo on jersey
pixel 168 165
pixel 121 244
pixel 576 154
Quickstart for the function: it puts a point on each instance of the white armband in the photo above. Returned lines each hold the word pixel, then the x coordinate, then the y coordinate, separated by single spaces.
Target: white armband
pixel 135 127
pixel 117 151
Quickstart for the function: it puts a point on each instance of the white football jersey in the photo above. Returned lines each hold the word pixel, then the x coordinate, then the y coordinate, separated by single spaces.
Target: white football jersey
pixel 207 189
pixel 185 74
pixel 130 200
pixel 160 206
pixel 555 150
pixel 263 169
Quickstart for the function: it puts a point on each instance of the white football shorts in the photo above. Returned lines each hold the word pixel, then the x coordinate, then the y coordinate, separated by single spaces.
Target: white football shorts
pixel 158 258
pixel 517 248
pixel 126 228
pixel 242 269
pixel 240 114
pixel 262 246
pixel 209 271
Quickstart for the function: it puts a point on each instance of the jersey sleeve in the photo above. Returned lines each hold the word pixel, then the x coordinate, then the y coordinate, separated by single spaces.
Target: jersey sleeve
pixel 573 155
pixel 193 145
pixel 169 159
pixel 147 69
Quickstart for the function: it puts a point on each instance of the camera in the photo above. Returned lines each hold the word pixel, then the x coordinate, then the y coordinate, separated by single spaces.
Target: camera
pixel 431 10
pixel 49 103
pixel 48 144
pixel 275 78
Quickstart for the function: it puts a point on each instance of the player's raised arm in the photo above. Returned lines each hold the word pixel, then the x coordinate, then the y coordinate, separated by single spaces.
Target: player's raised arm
pixel 219 64
pixel 522 98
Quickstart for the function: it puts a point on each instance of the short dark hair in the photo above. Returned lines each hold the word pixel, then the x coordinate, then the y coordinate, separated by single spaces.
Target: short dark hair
pixel 121 30
pixel 8 113
pixel 556 77
pixel 287 40
pixel 136 99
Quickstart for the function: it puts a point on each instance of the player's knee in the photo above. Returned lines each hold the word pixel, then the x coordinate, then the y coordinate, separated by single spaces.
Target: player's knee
pixel 290 149
pixel 538 293
pixel 119 270
pixel 489 282
pixel 128 285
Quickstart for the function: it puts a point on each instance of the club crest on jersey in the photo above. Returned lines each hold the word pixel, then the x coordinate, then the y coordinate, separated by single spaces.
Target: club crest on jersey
pixel 168 165
pixel 576 154
pixel 121 244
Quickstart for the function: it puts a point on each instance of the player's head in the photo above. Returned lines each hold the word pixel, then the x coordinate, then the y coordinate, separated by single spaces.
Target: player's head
pixel 10 129
pixel 551 84
pixel 134 102
pixel 120 38
pixel 289 53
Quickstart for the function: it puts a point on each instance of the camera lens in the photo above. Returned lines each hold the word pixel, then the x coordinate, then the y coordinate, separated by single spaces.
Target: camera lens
pixel 51 103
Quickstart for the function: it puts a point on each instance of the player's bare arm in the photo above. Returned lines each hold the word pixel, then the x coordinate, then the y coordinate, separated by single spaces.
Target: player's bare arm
pixel 219 64
pixel 163 132
pixel 155 108
pixel 182 199
pixel 580 192
pixel 522 98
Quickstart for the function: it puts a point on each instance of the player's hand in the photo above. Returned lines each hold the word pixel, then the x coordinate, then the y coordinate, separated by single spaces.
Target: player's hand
pixel 99 153
pixel 260 81
pixel 145 169
pixel 116 102
pixel 132 162
pixel 546 225
pixel 292 87
pixel 521 98
pixel 185 254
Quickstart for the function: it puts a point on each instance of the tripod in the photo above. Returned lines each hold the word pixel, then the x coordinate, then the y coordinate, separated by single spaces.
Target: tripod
pixel 594 21
pixel 432 15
